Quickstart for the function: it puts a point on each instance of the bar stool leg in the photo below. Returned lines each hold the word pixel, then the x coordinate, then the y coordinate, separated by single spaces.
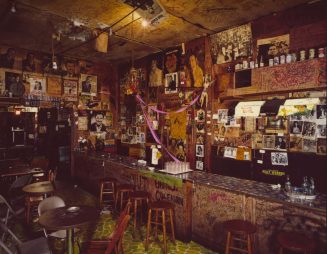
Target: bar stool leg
pixel 171 215
pixel 164 231
pixel 101 193
pixel 156 226
pixel 228 241
pixel 148 228
pixel 249 244
pixel 135 214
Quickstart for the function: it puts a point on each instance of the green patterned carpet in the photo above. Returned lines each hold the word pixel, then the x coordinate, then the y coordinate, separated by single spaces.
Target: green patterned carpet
pixel 102 229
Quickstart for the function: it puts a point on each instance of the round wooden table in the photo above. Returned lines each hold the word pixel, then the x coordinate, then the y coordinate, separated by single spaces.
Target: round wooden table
pixel 19 171
pixel 39 188
pixel 68 218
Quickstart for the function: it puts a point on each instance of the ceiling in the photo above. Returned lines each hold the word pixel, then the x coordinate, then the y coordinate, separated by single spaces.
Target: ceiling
pixel 35 21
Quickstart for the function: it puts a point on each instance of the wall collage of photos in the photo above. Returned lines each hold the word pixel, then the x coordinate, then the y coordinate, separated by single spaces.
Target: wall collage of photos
pixel 300 132
pixel 67 82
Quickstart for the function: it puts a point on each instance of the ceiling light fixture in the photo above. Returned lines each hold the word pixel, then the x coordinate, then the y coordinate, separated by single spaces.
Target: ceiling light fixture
pixel 145 23
pixel 13 7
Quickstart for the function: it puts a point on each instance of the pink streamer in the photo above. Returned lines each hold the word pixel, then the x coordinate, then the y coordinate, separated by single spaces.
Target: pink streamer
pixel 153 133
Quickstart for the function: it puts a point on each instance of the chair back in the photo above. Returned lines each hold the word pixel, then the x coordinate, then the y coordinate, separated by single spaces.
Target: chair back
pixel 52 175
pixel 20 182
pixel 117 237
pixel 4 229
pixel 50 203
pixel 123 213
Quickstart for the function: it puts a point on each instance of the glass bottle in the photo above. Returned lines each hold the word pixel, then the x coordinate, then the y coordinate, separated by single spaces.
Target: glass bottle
pixel 305 185
pixel 288 184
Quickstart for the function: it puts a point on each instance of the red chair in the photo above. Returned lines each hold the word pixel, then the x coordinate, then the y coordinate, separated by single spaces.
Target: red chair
pixel 99 246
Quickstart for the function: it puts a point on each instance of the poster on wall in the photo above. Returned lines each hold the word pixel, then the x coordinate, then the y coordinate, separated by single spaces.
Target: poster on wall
pixel 54 86
pixel 171 83
pixel 155 71
pixel 37 85
pixel 172 61
pixel 271 47
pixel 88 85
pixel 230 152
pixel 70 90
pixel 231 44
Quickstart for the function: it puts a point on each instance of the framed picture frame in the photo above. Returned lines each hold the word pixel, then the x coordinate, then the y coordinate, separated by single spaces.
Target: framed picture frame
pixel 171 83
pixel 199 150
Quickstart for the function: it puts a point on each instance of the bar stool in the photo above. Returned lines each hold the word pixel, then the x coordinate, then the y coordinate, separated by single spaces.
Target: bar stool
pixel 296 242
pixel 239 231
pixel 165 208
pixel 139 200
pixel 107 190
pixel 123 193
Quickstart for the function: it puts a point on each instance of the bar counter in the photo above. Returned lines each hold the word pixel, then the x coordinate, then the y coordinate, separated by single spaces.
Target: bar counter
pixel 203 201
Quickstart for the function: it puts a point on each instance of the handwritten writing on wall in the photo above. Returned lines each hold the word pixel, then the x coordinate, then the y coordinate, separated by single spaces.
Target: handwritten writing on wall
pixel 304 74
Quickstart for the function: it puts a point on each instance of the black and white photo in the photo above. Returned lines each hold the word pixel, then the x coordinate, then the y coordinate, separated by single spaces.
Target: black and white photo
pixel 222 115
pixel 296 127
pixel 97 121
pixel 321 131
pixel 309 129
pixel 279 159
pixel 171 83
pixel 321 112
pixel 199 150
pixel 199 165
pixel 309 145
pixel 230 152
pixel 280 143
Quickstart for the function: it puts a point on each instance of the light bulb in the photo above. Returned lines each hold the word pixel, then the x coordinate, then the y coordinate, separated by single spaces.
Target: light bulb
pixel 145 23
pixel 13 8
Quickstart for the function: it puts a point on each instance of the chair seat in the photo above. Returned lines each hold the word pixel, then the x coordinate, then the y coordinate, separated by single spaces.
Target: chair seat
pixel 296 242
pixel 239 226
pixel 108 179
pixel 139 195
pixel 39 245
pixel 160 205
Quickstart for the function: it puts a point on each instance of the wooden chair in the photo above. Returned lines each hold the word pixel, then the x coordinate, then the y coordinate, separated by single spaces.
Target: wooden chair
pixel 296 242
pixel 101 244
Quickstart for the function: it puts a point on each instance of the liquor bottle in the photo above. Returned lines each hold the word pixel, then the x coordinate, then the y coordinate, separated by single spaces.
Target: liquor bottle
pixel 288 184
pixel 312 186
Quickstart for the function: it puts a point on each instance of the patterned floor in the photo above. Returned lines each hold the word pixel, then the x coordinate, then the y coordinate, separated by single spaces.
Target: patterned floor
pixel 103 228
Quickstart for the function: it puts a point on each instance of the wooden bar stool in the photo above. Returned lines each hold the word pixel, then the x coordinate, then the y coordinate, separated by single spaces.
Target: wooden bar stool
pixel 296 242
pixel 239 231
pixel 139 201
pixel 122 193
pixel 167 210
pixel 107 191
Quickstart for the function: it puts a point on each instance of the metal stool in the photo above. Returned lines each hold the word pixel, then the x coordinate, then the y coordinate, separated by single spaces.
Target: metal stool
pixel 165 208
pixel 138 200
pixel 239 231
pixel 122 193
pixel 296 242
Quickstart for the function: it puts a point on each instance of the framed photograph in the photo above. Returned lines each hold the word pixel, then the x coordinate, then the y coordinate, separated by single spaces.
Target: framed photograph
pixel 309 115
pixel 142 137
pixel 200 127
pixel 270 47
pixel 97 121
pixel 257 141
pixel 230 152
pixel 296 127
pixel 296 144
pixel 232 132
pixel 222 116
pixel 70 90
pixel 321 146
pixel 82 123
pixel 309 145
pixel 321 131
pixel 88 85
pixel 14 83
pixel 279 159
pixel 321 113
pixel 199 165
pixel 309 129
pixel 37 85
pixel 199 150
pixel 280 143
pixel 269 141
pixel 54 86
pixel 171 83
